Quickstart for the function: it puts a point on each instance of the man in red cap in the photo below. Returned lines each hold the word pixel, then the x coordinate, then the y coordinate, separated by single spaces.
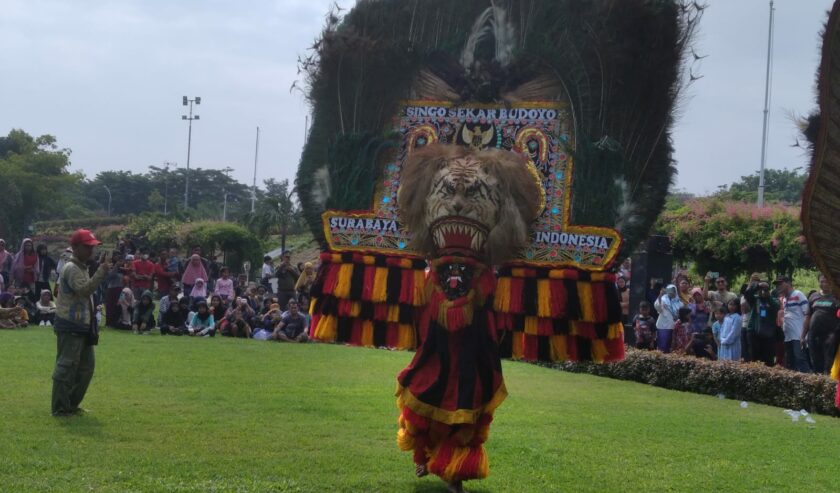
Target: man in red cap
pixel 75 326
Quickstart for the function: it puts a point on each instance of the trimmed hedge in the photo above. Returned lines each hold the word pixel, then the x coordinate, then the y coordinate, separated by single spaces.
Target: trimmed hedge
pixel 752 382
pixel 83 222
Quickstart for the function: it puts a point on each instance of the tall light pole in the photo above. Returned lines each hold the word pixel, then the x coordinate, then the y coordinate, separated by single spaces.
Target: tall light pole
pixel 189 102
pixel 767 79
pixel 109 198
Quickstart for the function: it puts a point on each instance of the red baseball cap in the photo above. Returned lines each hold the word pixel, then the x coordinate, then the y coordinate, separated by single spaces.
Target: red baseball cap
pixel 84 237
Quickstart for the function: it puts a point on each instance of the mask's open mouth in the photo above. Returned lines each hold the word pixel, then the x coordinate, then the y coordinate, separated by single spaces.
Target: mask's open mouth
pixel 459 235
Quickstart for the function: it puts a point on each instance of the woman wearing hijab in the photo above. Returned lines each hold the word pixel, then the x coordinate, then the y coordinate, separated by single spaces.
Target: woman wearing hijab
pixel 143 319
pixel 306 280
pixel 668 305
pixel 46 265
pixel 193 271
pixel 198 292
pixel 127 307
pixel 5 263
pixel 202 322
pixel 25 266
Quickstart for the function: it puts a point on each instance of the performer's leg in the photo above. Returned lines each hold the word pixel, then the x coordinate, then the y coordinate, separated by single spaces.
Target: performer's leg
pixel 84 375
pixel 69 351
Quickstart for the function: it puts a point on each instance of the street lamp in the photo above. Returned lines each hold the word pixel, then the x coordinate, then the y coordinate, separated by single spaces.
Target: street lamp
pixel 189 102
pixel 109 198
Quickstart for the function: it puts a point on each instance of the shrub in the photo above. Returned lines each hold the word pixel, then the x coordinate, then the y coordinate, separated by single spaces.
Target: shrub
pixel 752 382
pixel 237 243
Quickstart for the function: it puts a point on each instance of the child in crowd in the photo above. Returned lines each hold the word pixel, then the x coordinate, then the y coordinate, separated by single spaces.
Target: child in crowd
pixel 224 285
pixel 236 322
pixel 46 309
pixel 143 319
pixel 730 333
pixel 719 314
pixel 202 322
pixel 645 327
pixel 127 308
pixel 28 308
pixel 174 320
pixel 681 326
pixel 701 345
pixel 11 316
pixel 198 292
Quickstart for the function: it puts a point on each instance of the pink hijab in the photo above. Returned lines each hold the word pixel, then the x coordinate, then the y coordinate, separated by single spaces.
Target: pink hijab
pixel 194 270
pixel 199 290
pixel 18 264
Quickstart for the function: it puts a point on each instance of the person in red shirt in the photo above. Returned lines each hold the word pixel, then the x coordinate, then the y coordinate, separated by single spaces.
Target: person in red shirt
pixel 163 276
pixel 144 271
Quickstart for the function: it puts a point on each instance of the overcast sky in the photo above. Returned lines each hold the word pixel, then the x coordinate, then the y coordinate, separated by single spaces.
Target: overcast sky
pixel 106 78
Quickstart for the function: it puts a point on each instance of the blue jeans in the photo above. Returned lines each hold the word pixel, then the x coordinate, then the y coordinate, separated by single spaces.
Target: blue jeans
pixel 795 357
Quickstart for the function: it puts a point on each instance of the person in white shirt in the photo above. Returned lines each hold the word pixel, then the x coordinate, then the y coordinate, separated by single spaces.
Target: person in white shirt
pixel 267 272
pixel 668 306
pixel 795 306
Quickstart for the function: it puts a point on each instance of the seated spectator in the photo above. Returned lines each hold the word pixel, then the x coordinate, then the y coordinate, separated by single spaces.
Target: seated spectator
pixel 11 316
pixel 241 285
pixel 127 306
pixel 292 326
pixel 143 319
pixel 217 307
pixel 237 320
pixel 202 323
pixel 28 309
pixel 45 309
pixel 645 327
pixel 701 345
pixel 169 298
pixel 224 285
pixel 265 329
pixel 174 320
pixel 730 333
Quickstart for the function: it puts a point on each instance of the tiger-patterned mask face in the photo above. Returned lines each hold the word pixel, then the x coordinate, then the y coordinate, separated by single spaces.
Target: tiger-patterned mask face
pixel 463 205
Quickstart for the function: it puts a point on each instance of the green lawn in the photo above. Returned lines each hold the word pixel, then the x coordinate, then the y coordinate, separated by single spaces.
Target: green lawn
pixel 176 414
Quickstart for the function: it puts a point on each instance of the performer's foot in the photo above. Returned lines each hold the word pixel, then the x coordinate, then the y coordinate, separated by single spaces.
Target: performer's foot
pixel 421 470
pixel 455 487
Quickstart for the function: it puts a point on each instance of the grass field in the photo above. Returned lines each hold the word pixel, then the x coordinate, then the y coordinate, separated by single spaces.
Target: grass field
pixel 176 414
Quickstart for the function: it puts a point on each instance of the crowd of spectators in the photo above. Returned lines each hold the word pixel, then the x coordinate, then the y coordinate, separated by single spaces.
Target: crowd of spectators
pixel 163 291
pixel 768 322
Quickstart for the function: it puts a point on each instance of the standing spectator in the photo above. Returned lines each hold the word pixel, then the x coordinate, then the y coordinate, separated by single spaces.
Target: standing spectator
pixel 684 288
pixel 224 285
pixel 164 274
pixel 198 293
pixel 173 262
pixel 303 287
pixel 194 270
pixel 241 285
pixel 202 323
pixel 796 309
pixel 25 266
pixel 730 333
pixel 214 271
pixel 144 272
pixel 624 299
pixel 645 327
pixel 114 284
pixel 45 305
pixel 292 326
pixel 763 330
pixel 701 312
pixel 720 297
pixel 668 305
pixel 46 266
pixel 267 272
pixel 143 319
pixel 681 327
pixel 287 277
pixel 719 315
pixel 820 324
pixel 625 270
pixel 126 308
pixel 5 262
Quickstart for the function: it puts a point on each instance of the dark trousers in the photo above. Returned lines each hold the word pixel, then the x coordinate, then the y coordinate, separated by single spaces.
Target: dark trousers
pixel 113 310
pixel 74 364
pixel 795 357
pixel 762 348
pixel 821 351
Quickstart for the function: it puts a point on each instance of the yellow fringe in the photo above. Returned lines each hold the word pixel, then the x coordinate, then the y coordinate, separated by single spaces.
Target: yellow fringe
pixel 380 285
pixel 393 313
pixel 355 309
pixel 531 325
pixel 587 306
pixel 367 333
pixel 616 331
pixel 419 294
pixel 599 351
pixel 459 416
pixel 342 286
pixel 544 298
pixel 326 329
pixel 458 456
pixel 406 338
pixel 518 345
pixel 368 260
pixel 559 348
pixel 502 301
pixel 835 368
